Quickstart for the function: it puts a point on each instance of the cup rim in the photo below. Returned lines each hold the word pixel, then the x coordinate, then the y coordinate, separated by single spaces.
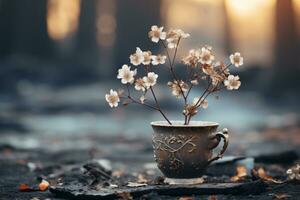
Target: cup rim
pixel 181 124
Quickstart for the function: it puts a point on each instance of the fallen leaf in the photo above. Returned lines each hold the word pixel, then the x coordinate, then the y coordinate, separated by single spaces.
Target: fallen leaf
pixel 241 174
pixel 24 187
pixel 159 180
pixel 113 186
pixel 261 173
pixel 117 173
pixel 142 179
pixel 133 184
pixel 281 196
pixel 44 185
pixel 125 195
pixel 213 197
pixel 186 198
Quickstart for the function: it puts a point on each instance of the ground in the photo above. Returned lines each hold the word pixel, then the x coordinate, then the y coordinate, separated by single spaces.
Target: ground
pixel 129 156
pixel 52 134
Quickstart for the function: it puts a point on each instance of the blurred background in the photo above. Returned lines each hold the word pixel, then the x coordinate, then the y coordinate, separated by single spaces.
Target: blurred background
pixel 58 58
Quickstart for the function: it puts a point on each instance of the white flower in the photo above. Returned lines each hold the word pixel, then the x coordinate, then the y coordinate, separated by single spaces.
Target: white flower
pixel 193 58
pixel 140 85
pixel 206 56
pixel 147 57
pixel 177 89
pixel 159 59
pixel 150 79
pixel 137 58
pixel 112 98
pixel 202 103
pixel 194 82
pixel 173 37
pixel 157 33
pixel 232 82
pixel 142 99
pixel 126 75
pixel 236 59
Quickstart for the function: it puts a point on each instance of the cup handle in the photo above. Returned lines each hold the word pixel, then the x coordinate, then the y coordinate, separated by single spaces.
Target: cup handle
pixel 222 134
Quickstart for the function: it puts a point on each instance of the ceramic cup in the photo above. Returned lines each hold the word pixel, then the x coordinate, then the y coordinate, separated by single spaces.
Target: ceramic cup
pixel 185 151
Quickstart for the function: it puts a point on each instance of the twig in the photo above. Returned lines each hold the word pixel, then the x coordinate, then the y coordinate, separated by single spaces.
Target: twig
pixel 158 106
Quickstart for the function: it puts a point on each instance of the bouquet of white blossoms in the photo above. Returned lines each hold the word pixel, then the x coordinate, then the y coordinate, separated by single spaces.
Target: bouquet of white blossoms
pixel 201 67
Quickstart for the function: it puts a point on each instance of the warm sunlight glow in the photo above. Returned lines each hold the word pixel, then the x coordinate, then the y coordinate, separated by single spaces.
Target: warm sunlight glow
pixel 296 4
pixel 251 25
pixel 62 18
pixel 106 23
pixel 247 7
pixel 203 19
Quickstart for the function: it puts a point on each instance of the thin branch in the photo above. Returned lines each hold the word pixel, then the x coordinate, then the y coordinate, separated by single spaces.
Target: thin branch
pixel 158 106
pixel 144 104
pixel 155 99
pixel 171 67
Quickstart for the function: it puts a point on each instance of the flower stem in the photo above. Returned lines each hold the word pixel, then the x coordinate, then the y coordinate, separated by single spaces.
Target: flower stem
pixel 158 106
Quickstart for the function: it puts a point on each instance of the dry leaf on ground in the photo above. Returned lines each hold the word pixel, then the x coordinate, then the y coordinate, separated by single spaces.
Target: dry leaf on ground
pixel 117 173
pixel 281 196
pixel 125 195
pixel 261 174
pixel 133 184
pixel 24 187
pixel 241 174
pixel 213 197
pixel 44 185
pixel 186 198
pixel 142 179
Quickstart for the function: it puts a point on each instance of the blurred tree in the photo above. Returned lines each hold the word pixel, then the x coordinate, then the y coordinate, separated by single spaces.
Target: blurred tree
pixel 285 77
pixel 134 18
pixel 227 35
pixel 23 28
pixel 86 44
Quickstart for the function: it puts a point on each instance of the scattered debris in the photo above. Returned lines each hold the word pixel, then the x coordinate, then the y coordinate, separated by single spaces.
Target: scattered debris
pixel 294 173
pixel 117 173
pixel 76 189
pixel 280 196
pixel 113 186
pixel 133 184
pixel 125 195
pixel 34 198
pixel 106 164
pixel 186 198
pixel 159 180
pixel 142 179
pixel 241 174
pixel 97 171
pixel 213 197
pixel 43 186
pixel 24 187
pixel 261 174
pixel 31 166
